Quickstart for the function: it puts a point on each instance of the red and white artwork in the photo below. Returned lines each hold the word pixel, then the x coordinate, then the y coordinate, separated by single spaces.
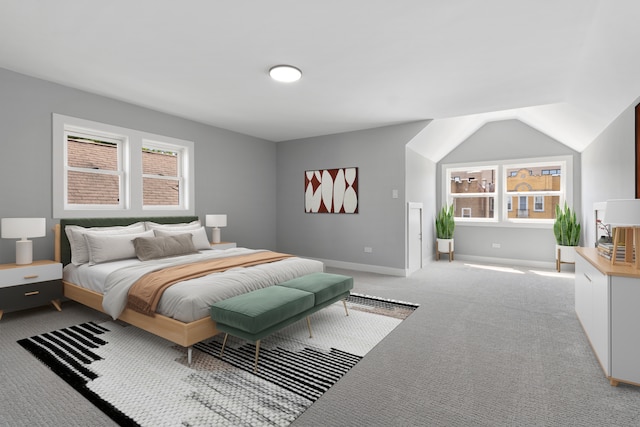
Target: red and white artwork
pixel 331 191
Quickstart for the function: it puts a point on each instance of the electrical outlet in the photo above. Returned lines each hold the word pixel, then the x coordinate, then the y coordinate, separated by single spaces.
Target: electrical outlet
pixel 495 245
pixel 368 249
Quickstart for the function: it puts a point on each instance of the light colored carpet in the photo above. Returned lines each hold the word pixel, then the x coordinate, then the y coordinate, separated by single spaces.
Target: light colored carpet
pixel 140 379
pixel 485 348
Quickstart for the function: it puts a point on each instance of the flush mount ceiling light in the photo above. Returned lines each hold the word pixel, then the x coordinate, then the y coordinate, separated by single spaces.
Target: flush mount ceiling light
pixel 285 73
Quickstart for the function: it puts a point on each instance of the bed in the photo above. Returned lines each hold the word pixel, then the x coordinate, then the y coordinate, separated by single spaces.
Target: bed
pixel 186 327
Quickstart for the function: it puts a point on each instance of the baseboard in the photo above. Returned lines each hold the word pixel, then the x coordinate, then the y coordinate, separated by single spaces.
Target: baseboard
pixel 389 271
pixel 506 261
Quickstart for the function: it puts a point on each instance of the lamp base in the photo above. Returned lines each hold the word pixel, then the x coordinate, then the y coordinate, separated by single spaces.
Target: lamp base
pixel 24 252
pixel 215 235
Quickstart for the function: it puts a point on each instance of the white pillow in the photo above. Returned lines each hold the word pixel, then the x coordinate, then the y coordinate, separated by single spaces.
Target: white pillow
pixel 75 234
pixel 199 235
pixel 110 247
pixel 181 226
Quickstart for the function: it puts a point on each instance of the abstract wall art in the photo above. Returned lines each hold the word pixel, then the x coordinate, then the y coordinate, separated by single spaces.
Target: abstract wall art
pixel 331 191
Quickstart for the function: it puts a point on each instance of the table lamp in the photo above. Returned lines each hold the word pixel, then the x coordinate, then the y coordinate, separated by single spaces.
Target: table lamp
pixel 624 215
pixel 23 228
pixel 216 221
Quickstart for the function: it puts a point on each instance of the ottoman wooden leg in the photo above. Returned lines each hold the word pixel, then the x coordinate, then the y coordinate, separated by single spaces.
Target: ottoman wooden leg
pixel 344 302
pixel 255 365
pixel 224 342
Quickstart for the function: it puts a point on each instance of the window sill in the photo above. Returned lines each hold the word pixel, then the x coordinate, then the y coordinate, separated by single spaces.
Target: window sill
pixel 503 224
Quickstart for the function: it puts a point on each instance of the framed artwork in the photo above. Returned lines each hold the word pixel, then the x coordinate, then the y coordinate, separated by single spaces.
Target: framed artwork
pixel 331 191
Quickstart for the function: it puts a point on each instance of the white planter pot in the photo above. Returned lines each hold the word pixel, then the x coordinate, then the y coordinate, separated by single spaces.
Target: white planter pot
pixel 567 253
pixel 442 245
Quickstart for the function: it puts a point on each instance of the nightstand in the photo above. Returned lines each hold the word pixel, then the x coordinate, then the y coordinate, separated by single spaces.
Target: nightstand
pixel 223 245
pixel 31 285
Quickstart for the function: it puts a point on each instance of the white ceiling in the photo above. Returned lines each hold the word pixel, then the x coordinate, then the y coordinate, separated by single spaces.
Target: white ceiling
pixel 565 67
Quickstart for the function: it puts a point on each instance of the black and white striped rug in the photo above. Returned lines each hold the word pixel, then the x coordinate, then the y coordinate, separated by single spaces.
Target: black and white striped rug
pixel 139 379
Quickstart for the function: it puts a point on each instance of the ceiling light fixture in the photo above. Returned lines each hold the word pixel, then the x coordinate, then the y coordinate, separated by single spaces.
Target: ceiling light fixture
pixel 285 73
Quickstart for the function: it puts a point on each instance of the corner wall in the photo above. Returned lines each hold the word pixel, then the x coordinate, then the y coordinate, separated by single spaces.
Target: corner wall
pixel 339 239
pixel 421 184
pixel 608 169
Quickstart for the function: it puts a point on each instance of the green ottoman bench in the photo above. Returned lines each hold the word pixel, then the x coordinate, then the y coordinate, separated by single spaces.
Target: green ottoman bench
pixel 259 313
pixel 327 288
pixel 254 315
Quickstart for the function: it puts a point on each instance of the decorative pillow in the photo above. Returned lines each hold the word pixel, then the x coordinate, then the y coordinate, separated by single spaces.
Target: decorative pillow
pixel 110 247
pixel 79 250
pixel 175 227
pixel 164 246
pixel 200 239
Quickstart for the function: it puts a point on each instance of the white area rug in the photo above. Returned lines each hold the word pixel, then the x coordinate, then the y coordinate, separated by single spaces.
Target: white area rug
pixel 139 379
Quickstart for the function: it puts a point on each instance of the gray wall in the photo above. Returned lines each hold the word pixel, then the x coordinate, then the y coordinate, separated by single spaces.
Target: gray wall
pixel 379 155
pixel 608 168
pixel 235 174
pixel 504 140
pixel 421 185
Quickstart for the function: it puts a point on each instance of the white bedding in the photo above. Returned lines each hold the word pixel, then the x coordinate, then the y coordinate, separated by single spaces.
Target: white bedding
pixel 189 300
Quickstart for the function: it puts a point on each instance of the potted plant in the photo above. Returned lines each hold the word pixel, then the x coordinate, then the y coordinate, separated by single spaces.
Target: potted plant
pixel 445 224
pixel 566 229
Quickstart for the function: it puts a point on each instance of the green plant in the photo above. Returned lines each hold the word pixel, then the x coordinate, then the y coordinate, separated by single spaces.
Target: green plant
pixel 566 227
pixel 445 223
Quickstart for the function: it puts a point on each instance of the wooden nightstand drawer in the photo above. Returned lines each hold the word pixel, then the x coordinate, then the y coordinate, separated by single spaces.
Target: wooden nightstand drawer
pixel 32 273
pixel 31 295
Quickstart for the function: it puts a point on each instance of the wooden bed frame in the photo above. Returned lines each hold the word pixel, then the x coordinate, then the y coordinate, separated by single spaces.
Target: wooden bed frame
pixel 181 333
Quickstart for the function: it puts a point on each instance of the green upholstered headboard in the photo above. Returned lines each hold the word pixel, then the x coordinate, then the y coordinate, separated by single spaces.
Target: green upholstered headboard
pixel 65 248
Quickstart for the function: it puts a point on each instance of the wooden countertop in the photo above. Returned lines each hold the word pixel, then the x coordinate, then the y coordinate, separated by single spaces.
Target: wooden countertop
pixel 604 265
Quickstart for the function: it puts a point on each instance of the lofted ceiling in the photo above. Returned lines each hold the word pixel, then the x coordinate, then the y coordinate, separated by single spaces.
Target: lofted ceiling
pixel 565 67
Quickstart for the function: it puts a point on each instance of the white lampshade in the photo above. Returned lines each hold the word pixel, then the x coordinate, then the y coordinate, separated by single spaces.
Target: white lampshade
pixel 622 212
pixel 23 228
pixel 216 220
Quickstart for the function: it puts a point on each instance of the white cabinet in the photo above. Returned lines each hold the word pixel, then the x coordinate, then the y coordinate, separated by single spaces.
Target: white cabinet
pixel 592 308
pixel 606 301
pixel 625 321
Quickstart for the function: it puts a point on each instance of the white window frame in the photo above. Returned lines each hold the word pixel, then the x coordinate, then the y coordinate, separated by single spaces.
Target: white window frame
pixel 131 203
pixel 565 163
pixel 183 157
pixel 501 215
pixel 452 172
pixel 122 144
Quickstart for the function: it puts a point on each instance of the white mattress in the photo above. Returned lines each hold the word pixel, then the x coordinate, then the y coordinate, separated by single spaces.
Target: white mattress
pixel 189 300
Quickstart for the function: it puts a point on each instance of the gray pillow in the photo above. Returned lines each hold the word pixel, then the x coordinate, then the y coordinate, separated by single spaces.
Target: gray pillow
pixel 200 239
pixel 148 248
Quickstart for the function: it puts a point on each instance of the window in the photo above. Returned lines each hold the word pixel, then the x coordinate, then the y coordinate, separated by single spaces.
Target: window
pixel 161 175
pixel 538 188
pixel 94 171
pixel 527 191
pixel 473 192
pixel 104 170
